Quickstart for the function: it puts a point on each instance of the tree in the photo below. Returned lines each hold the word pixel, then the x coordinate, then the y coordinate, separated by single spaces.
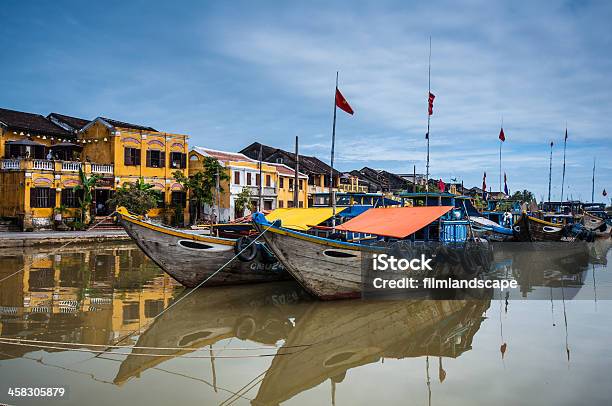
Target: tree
pixel 87 185
pixel 202 184
pixel 524 197
pixel 243 201
pixel 138 197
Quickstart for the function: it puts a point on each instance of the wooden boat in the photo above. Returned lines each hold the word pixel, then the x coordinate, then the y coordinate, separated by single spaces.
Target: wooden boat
pixel 490 230
pixel 338 337
pixel 332 269
pixel 191 257
pixel 596 224
pixel 533 229
pixel 259 313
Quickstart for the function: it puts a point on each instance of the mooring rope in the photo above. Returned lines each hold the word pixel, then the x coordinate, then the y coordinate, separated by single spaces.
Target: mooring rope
pixel 55 347
pixel 53 252
pixel 23 340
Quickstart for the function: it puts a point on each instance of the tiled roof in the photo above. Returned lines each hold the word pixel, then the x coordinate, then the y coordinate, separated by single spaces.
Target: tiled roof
pixel 222 155
pixel 30 122
pixel 122 124
pixel 308 164
pixel 285 170
pixel 73 122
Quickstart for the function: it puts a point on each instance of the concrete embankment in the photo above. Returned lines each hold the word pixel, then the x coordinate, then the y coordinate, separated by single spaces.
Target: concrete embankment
pixel 50 238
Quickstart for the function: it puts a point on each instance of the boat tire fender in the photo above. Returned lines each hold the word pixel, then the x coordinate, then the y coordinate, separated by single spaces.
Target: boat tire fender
pixel 249 253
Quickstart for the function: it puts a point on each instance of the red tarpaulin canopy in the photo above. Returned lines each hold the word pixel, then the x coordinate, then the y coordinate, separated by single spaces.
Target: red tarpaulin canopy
pixel 397 222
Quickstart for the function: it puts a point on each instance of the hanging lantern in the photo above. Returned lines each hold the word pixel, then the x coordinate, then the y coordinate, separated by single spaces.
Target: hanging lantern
pixel 105 139
pixel 95 140
pixel 44 137
pixel 21 133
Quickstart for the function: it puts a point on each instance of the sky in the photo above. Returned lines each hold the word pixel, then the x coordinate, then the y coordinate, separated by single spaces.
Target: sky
pixel 231 73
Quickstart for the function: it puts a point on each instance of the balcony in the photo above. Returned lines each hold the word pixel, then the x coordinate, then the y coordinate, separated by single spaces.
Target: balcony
pixel 266 191
pixel 54 166
pixel 104 169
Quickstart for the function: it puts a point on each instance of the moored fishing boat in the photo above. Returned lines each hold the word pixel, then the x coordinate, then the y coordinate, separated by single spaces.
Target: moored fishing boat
pixel 191 257
pixel 529 228
pixel 596 224
pixel 332 268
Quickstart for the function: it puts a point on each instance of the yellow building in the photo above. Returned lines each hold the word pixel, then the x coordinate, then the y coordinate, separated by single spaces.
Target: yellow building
pixel 243 172
pixel 286 186
pixel 42 156
pixel 136 152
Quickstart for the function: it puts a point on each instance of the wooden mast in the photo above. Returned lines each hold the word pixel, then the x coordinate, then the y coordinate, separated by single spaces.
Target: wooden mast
pixel 296 181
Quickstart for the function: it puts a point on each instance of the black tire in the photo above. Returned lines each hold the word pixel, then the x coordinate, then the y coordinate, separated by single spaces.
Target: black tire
pixel 245 254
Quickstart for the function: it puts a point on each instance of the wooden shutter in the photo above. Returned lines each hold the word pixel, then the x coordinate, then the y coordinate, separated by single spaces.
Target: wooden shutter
pixel 127 159
pixel 183 161
pixel 52 195
pixel 148 158
pixel 137 156
pixel 162 159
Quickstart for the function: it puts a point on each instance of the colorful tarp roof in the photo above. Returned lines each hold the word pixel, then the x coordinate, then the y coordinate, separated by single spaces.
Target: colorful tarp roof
pixel 302 219
pixel 397 222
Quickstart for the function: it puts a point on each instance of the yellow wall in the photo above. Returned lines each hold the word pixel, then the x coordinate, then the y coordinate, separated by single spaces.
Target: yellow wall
pixel 285 194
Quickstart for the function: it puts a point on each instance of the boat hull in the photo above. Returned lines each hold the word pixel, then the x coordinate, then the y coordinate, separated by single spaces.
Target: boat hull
pixel 182 256
pixel 532 229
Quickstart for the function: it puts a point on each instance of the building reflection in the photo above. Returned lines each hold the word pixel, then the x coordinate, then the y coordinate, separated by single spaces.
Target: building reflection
pixel 83 295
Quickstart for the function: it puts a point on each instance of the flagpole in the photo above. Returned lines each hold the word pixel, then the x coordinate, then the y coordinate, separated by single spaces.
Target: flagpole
pixel 550 171
pixel 500 156
pixel 593 186
pixel 428 122
pixel 331 172
pixel 563 176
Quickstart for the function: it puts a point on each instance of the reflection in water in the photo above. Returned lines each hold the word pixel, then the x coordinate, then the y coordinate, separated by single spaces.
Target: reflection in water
pixel 93 296
pixel 109 294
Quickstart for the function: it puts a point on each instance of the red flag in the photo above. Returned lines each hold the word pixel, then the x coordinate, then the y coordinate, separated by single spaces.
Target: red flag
pixel 502 136
pixel 430 103
pixel 342 103
pixel 441 185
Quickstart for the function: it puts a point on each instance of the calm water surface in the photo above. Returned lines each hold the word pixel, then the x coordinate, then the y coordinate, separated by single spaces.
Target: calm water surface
pixel 271 343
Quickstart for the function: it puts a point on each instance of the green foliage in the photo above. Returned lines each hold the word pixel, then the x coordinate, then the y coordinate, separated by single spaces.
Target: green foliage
pixel 524 197
pixel 87 185
pixel 202 184
pixel 243 200
pixel 138 197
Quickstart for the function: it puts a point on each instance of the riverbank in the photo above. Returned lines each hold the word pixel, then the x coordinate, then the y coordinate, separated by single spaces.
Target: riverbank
pixel 49 238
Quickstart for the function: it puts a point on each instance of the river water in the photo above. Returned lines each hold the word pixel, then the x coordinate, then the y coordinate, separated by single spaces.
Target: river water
pixel 272 343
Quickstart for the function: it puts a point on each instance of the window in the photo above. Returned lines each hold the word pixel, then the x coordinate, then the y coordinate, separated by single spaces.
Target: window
pixel 42 197
pixel 279 160
pixel 249 178
pixel 268 180
pixel 290 184
pixel 281 204
pixel 179 198
pixel 290 204
pixel 258 179
pixel 301 184
pixel 131 156
pixel 156 159
pixel 70 197
pixel 178 160
pixel 281 183
pixel 301 205
pixel 236 178
pixel 161 203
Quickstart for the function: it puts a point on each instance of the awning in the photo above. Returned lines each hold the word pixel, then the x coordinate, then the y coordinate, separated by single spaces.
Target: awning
pixel 397 222
pixel 302 219
pixel 25 142
pixel 354 211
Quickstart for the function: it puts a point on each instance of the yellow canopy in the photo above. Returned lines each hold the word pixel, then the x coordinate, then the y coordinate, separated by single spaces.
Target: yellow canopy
pixel 302 219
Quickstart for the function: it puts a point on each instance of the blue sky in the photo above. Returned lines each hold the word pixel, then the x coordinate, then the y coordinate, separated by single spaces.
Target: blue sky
pixel 230 73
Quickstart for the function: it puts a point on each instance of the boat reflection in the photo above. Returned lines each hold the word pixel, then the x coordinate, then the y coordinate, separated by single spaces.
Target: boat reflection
pixel 343 335
pixel 259 313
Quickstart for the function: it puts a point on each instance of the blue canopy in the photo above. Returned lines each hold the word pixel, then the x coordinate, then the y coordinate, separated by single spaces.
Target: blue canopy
pixel 354 211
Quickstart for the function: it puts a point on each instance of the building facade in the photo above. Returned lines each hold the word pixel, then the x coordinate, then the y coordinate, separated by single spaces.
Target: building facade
pixel 42 157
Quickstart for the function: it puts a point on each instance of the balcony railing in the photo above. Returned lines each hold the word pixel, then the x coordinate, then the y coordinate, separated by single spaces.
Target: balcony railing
pixel 101 168
pixel 43 164
pixel 10 164
pixel 71 166
pixel 265 191
pixel 56 166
